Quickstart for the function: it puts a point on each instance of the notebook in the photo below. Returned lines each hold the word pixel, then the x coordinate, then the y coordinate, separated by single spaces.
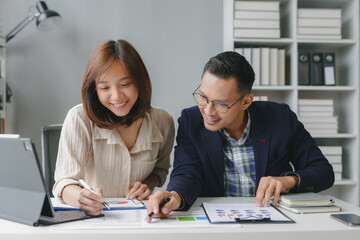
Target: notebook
pixel 308 199
pixel 24 196
pixel 318 209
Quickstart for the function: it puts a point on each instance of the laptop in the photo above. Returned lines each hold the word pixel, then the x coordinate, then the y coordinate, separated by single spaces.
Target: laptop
pixel 24 198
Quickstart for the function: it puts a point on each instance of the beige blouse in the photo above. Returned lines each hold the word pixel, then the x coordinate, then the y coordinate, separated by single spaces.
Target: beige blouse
pixel 101 157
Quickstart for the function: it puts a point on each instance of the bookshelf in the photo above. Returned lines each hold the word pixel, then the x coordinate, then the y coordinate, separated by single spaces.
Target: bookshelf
pixel 2 84
pixel 345 93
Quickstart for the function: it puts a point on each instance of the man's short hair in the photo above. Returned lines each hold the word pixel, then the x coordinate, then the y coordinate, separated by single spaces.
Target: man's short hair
pixel 231 64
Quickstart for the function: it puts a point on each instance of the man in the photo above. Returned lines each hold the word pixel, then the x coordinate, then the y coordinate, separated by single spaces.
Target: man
pixel 231 146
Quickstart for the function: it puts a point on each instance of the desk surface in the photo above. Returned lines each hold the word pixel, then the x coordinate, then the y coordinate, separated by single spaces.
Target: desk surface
pixel 307 226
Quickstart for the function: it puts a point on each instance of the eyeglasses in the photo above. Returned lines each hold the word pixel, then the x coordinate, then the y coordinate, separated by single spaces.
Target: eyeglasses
pixel 219 106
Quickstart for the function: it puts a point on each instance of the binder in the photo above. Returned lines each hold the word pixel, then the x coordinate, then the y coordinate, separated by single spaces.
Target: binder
pixel 329 69
pixel 304 69
pixel 316 69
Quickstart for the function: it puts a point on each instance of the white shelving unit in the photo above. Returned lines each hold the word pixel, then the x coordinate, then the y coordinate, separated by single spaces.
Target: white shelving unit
pixel 345 93
pixel 2 81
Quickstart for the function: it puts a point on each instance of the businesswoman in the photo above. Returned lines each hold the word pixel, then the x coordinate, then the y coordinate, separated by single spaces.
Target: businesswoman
pixel 114 140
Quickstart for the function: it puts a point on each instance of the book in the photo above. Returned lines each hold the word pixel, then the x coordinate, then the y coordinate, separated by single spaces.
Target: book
pixel 318 119
pixel 247 54
pixel 256 33
pixel 313 101
pixel 319 30
pixel 324 209
pixel 337 167
pixel 306 199
pixel 331 150
pixel 257 15
pixel 315 108
pixel 319 13
pixel 329 69
pixel 304 68
pixel 246 23
pixel 257 5
pixel 337 36
pixel 264 66
pixel 315 114
pixel 327 131
pixel 261 98
pixel 316 69
pixel 281 67
pixel 273 66
pixel 318 22
pixel 256 65
pixel 338 176
pixel 320 125
pixel 333 159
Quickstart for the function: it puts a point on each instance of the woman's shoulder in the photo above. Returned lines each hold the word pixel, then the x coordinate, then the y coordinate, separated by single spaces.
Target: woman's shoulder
pixel 77 112
pixel 160 115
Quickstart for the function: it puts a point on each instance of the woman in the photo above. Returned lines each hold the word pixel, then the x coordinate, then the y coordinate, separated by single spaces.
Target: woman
pixel 114 140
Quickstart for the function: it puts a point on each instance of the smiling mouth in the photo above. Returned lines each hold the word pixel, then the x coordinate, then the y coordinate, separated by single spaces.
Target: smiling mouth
pixel 210 121
pixel 119 105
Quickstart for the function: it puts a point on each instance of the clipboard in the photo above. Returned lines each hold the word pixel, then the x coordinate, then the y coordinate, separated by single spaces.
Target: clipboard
pixel 244 213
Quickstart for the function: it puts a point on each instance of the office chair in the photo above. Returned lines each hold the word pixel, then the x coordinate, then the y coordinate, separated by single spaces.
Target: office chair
pixel 50 135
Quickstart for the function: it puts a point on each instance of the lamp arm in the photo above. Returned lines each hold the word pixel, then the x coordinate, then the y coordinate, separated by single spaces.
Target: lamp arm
pixel 20 26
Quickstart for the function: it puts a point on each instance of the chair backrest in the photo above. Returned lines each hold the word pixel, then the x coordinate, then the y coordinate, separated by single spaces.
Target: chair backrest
pixel 50 135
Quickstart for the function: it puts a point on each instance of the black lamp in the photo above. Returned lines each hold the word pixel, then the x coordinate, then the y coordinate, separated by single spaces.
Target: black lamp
pixel 45 20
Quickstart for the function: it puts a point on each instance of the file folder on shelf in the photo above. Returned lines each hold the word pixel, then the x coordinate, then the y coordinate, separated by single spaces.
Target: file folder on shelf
pixel 329 69
pixel 316 69
pixel 303 71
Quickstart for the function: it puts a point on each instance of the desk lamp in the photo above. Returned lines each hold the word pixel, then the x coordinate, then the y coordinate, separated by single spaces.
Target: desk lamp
pixel 45 19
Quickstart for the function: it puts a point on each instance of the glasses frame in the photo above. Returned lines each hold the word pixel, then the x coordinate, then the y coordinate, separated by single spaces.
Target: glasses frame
pixel 212 101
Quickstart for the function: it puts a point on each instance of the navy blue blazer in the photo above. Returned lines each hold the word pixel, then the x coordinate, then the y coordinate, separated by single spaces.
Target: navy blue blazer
pixel 278 139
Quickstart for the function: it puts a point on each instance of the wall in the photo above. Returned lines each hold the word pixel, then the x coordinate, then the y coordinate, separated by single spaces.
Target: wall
pixel 45 69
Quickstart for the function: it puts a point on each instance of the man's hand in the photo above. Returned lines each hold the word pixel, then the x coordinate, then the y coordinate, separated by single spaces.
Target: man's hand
pixel 140 191
pixel 91 203
pixel 158 197
pixel 273 186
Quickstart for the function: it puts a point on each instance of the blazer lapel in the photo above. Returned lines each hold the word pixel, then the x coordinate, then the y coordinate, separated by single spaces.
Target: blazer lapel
pixel 214 147
pixel 261 142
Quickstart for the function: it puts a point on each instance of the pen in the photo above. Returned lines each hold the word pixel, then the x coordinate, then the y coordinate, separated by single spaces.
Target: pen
pixel 87 186
pixel 160 206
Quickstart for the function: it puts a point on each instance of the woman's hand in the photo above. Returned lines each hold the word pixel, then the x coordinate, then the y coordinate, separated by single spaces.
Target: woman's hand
pixel 91 203
pixel 140 191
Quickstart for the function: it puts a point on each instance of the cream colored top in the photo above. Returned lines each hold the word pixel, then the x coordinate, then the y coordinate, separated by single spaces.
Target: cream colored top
pixel 101 157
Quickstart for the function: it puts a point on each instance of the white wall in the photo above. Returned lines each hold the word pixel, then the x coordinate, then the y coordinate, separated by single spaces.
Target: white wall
pixel 45 69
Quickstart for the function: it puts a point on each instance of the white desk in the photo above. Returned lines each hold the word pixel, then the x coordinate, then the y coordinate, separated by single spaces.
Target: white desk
pixel 307 226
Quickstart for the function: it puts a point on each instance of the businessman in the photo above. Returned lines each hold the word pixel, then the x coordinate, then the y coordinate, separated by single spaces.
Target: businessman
pixel 229 145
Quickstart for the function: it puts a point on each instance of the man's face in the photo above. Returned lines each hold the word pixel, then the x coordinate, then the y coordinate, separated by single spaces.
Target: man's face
pixel 226 91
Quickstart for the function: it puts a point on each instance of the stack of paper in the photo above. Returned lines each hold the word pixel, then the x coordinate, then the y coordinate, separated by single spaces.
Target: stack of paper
pixel 334 155
pixel 257 19
pixel 317 115
pixel 319 23
pixel 308 203
pixel 268 64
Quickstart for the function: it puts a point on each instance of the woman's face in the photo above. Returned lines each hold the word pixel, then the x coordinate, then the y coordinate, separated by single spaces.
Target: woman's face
pixel 116 90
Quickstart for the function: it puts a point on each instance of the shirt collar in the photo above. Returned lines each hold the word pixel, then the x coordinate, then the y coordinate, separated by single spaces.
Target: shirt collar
pixel 149 132
pixel 244 136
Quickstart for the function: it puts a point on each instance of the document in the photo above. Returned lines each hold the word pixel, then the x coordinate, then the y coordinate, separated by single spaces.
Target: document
pixel 136 219
pixel 114 203
pixel 229 213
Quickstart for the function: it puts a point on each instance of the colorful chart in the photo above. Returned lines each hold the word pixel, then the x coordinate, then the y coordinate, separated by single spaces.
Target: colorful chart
pixel 118 202
pixel 231 214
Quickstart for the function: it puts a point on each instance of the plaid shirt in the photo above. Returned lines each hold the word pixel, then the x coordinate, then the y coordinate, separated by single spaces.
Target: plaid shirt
pixel 239 164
